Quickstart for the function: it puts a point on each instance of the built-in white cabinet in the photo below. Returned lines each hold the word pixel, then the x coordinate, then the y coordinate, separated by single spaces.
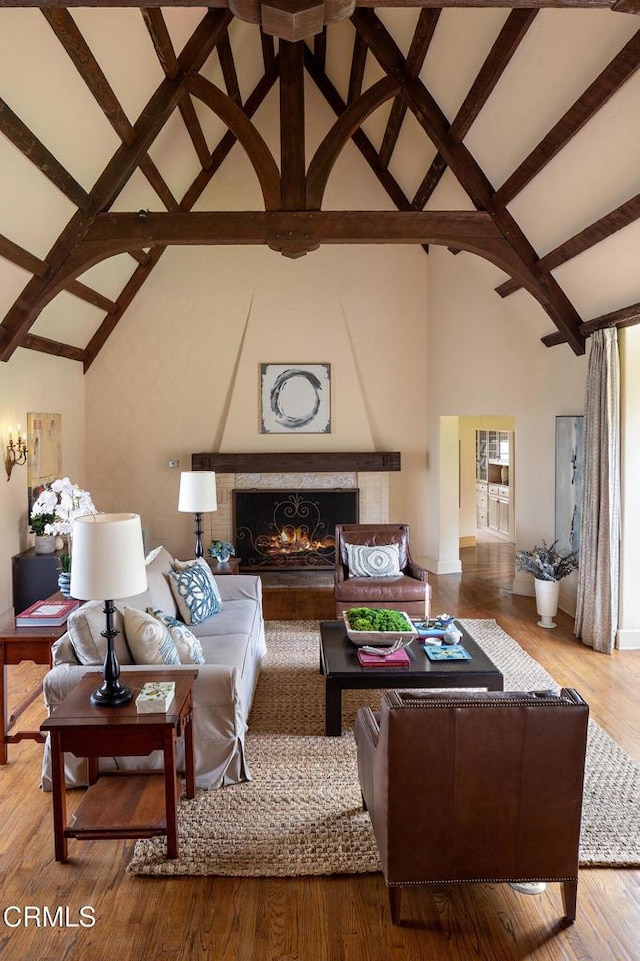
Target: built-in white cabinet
pixel 494 466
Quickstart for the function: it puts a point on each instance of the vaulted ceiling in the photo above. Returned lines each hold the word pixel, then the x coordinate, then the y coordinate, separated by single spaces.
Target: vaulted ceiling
pixel 510 132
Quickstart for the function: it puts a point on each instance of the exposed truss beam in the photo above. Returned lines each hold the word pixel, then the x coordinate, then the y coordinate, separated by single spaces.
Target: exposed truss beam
pixel 36 294
pixel 621 68
pixel 292 130
pixel 422 37
pixel 359 137
pixel 615 220
pixel 229 74
pixel 34 150
pixel 356 74
pixel 192 195
pixel 470 176
pixel 159 34
pixel 624 317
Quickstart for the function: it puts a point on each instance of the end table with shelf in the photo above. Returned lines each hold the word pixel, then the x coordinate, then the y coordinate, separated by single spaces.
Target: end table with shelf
pixel 121 804
pixel 232 566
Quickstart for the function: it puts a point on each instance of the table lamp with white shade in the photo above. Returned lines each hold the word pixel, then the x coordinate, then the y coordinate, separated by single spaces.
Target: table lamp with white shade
pixel 108 562
pixel 198 496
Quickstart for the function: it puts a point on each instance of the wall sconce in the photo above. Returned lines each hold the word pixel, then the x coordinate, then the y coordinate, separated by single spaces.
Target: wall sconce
pixel 16 453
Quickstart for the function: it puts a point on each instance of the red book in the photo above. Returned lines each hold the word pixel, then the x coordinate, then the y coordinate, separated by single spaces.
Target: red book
pixel 398 659
pixel 47 613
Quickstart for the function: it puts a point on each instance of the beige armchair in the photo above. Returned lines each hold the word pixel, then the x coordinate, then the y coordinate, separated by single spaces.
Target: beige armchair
pixel 483 786
pixel 404 592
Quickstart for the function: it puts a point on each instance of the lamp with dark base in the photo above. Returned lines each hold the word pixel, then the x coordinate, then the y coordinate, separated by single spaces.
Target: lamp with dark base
pixel 197 496
pixel 111 692
pixel 108 562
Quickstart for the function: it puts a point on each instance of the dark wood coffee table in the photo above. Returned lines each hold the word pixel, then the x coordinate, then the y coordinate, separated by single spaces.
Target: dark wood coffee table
pixel 341 668
pixel 121 804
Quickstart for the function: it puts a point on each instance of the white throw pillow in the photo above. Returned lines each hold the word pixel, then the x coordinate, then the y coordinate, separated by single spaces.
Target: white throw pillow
pixel 149 640
pixel 85 626
pixel 187 644
pixel 382 560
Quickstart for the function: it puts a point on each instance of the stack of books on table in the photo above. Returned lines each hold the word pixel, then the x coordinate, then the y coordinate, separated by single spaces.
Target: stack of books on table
pixel 46 613
pixel 397 659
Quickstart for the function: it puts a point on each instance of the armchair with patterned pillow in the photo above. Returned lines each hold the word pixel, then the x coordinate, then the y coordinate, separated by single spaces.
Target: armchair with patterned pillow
pixel 374 568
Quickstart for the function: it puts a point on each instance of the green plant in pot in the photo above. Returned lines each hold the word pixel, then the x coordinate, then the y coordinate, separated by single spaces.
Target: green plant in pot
pixel 548 566
pixel 64 577
pixel 45 539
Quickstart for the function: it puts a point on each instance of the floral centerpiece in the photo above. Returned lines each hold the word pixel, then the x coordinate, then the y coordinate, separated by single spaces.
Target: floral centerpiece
pixel 221 550
pixel 546 563
pixel 57 507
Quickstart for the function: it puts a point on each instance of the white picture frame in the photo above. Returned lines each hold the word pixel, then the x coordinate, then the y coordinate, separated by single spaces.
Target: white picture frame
pixel 295 398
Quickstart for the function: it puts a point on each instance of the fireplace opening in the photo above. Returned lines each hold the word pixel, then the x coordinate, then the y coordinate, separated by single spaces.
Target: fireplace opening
pixel 292 529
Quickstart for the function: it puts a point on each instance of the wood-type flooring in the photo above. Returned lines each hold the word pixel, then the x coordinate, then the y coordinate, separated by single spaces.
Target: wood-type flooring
pixel 320 919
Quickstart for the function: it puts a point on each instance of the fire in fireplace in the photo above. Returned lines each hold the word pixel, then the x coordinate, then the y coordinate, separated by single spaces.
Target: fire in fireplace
pixel 277 529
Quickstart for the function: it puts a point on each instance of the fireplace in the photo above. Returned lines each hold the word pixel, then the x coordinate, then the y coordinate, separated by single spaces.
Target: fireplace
pixel 290 529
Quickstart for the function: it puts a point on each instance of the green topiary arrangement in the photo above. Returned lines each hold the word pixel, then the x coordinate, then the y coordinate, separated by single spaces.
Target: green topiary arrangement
pixel 370 619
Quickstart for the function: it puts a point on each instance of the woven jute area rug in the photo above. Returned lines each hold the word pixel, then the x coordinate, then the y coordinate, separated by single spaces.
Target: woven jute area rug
pixel 302 813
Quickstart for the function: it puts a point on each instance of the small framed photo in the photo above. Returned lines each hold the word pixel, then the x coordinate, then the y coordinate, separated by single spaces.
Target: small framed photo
pixel 295 398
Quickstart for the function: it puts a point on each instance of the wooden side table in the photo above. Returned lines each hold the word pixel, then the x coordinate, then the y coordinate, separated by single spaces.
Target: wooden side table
pixel 232 566
pixel 19 644
pixel 121 804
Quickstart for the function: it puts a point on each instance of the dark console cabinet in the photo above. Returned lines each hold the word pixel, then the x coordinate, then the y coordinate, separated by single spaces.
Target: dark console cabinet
pixel 35 576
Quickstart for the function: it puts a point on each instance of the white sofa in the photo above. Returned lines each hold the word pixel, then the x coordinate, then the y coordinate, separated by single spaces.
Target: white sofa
pixel 233 645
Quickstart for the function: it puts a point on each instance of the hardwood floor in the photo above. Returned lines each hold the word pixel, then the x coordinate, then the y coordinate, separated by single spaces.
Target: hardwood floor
pixel 323 919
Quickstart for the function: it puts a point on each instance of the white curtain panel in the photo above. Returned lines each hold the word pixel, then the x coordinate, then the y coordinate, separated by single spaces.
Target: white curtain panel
pixel 597 603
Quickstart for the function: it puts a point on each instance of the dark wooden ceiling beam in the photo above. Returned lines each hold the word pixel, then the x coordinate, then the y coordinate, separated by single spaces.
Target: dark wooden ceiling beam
pixel 236 119
pixel 343 129
pixel 91 296
pixel 114 233
pixel 157 29
pixel 81 55
pixel 356 73
pixel 470 176
pixel 141 256
pixel 21 257
pixel 359 137
pixel 34 150
pixel 228 66
pixel 596 232
pixel 624 317
pixel 622 67
pixel 38 290
pixel 320 47
pixel 292 128
pixel 130 290
pixel 506 44
pixel 268 50
pixel 139 277
pixel 422 38
pixel 46 346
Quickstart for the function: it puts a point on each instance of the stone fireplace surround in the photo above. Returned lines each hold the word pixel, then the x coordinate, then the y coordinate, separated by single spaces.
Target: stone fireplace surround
pixel 372 483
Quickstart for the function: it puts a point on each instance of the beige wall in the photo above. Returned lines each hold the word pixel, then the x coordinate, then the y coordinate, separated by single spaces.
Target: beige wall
pixel 485 355
pixel 180 373
pixel 35 382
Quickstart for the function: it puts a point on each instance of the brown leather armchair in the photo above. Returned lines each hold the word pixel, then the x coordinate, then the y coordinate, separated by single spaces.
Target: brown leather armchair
pixel 483 786
pixel 405 592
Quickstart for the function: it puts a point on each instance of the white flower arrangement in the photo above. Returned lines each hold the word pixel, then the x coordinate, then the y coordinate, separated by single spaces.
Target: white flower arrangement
pixel 65 501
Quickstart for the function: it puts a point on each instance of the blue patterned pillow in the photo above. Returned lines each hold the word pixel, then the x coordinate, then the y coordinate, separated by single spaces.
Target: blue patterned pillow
pixel 194 594
pixel 187 644
pixel 383 560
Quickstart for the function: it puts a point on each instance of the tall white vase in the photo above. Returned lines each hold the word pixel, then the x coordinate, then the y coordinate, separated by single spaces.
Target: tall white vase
pixel 547 594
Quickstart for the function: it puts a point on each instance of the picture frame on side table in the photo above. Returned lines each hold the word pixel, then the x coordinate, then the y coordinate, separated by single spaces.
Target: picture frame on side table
pixel 569 474
pixel 295 398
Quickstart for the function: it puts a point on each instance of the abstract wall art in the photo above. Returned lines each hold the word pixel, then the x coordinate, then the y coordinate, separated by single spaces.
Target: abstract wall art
pixel 295 398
